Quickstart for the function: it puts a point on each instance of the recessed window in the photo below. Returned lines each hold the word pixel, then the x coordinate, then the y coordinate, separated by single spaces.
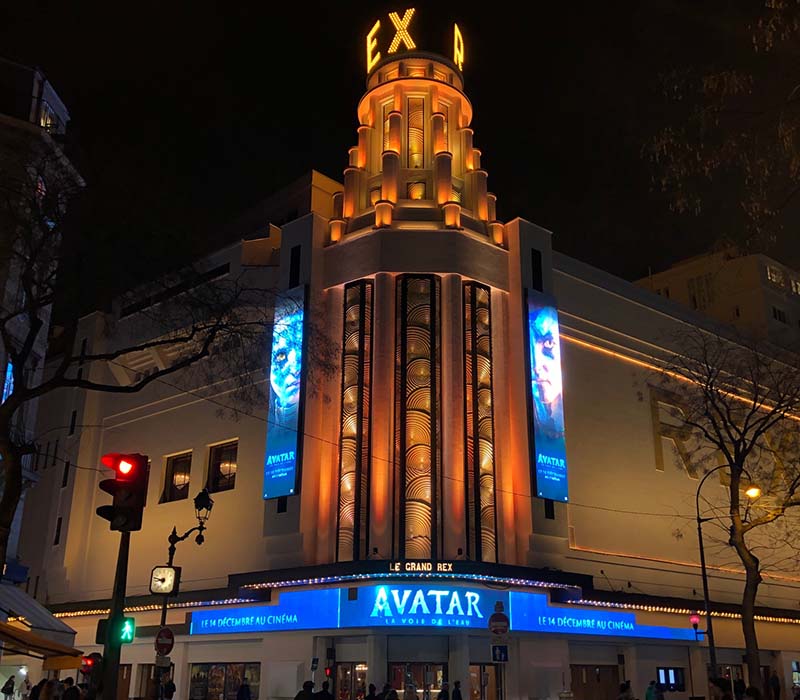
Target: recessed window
pixel 775 275
pixel 57 538
pixel 795 285
pixel 72 420
pixel 222 466
pixel 737 312
pixel 671 678
pixel 779 314
pixel 65 475
pixel 176 477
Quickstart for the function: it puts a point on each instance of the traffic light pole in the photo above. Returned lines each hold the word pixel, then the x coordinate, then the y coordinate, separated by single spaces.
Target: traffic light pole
pixel 112 646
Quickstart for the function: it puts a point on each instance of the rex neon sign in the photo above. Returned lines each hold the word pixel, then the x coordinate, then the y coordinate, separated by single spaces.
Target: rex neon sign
pixel 403 37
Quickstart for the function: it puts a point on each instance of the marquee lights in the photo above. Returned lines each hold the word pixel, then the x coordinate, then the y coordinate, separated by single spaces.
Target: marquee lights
pixel 402 35
pixel 458 47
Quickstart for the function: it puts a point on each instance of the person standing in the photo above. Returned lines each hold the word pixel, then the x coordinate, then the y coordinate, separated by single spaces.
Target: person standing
pixel 323 694
pixel 244 691
pixel 71 691
pixel 444 693
pixel 774 685
pixel 456 691
pixel 650 693
pixel 8 688
pixel 307 692
pixel 371 692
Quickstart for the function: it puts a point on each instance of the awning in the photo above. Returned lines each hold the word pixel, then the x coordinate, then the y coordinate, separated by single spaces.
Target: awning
pixel 56 656
pixel 16 604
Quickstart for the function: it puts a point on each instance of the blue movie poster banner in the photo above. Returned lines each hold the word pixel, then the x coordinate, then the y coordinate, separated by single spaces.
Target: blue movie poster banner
pixel 423 605
pixel 547 398
pixel 286 378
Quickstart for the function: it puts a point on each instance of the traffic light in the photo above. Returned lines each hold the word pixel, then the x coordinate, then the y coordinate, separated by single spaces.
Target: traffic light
pixel 128 490
pixel 92 668
pixel 328 672
pixel 122 631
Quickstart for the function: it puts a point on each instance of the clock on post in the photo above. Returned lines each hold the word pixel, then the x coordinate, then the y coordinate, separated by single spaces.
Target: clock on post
pixel 165 580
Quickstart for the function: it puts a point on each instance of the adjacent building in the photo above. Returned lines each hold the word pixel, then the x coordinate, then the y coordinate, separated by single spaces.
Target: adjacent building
pixel 488 451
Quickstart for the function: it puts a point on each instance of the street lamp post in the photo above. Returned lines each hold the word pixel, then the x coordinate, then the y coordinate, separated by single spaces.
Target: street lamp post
pixel 202 506
pixel 752 492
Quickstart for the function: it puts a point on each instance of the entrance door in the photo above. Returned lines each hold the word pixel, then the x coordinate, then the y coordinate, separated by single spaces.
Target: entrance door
pixel 595 682
pixel 350 681
pixel 417 681
pixel 124 682
pixel 484 681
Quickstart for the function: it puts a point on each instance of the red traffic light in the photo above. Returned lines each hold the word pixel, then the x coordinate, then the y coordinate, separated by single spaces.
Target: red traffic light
pixel 328 671
pixel 128 489
pixel 123 464
pixel 695 620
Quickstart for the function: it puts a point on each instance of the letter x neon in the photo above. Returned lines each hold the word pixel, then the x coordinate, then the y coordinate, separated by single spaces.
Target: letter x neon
pixel 402 30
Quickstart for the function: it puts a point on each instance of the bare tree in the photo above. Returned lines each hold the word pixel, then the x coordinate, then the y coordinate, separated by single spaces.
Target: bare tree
pixel 742 403
pixel 201 323
pixel 729 145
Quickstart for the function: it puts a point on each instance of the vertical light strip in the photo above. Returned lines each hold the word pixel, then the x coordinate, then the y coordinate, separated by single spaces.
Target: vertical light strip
pixel 354 440
pixel 479 474
pixel 417 457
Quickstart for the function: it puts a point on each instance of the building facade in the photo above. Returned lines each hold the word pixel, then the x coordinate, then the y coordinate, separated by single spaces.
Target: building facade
pixel 474 452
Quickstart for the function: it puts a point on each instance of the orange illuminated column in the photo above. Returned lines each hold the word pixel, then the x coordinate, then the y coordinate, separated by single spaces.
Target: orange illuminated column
pixel 391 176
pixel 468 149
pixel 383 213
pixel 443 168
pixel 352 156
pixel 481 205
pixel 476 159
pixel 395 131
pixel 496 228
pixel 452 214
pixel 351 194
pixel 337 223
pixel 363 145
pixel 491 204
pixel 437 125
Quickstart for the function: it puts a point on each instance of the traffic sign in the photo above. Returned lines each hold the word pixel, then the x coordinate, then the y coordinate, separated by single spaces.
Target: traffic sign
pixel 314 663
pixel 498 625
pixel 164 641
pixel 500 653
pixel 163 661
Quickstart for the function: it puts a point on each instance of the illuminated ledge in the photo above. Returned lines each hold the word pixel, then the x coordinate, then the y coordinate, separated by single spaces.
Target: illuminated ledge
pixel 675 606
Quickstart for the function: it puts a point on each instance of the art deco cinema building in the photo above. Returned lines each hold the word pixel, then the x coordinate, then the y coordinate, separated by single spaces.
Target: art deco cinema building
pixel 429 481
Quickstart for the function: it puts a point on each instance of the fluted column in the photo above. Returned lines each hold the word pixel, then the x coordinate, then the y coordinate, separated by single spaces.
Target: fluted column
pixel 481 207
pixel 351 193
pixel 437 127
pixel 443 177
pixel 363 145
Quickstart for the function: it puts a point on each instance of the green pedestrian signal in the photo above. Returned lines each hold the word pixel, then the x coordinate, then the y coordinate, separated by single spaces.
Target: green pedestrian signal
pixel 127 630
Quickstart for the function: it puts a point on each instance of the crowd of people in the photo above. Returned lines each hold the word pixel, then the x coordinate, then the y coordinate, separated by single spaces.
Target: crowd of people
pixel 721 689
pixel 45 689
pixel 388 692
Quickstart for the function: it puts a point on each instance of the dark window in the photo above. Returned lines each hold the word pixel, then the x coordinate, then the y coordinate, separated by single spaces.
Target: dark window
pixel 55 454
pixel 549 509
pixel 46 455
pixel 778 314
pixel 222 467
pixel 72 420
pixel 176 478
pixel 671 678
pixel 537 280
pixel 38 456
pixel 737 312
pixel 57 538
pixel 294 266
pixel 65 476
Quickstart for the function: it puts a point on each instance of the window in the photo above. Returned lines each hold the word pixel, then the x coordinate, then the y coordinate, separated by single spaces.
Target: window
pixel 294 266
pixel 176 478
pixel 72 420
pixel 57 538
pixel 222 467
pixel 549 509
pixel 795 673
pixel 55 454
pixel 775 275
pixel 215 681
pixel 701 292
pixel 416 139
pixel 673 679
pixel 795 285
pixel 779 314
pixel 36 459
pixel 737 312
pixel 46 455
pixel 65 476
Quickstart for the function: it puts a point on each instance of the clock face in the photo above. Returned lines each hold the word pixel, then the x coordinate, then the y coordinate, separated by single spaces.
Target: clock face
pixel 162 580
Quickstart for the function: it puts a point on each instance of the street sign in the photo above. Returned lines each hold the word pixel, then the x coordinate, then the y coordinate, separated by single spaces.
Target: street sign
pixel 314 663
pixel 498 625
pixel 163 661
pixel 164 641
pixel 500 653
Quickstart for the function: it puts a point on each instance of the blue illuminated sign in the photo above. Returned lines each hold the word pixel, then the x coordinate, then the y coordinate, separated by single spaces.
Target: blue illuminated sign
pixel 286 378
pixel 547 399
pixel 423 605
pixel 530 612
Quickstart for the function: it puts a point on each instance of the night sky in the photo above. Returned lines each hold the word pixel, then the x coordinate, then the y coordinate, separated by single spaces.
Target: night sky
pixel 185 114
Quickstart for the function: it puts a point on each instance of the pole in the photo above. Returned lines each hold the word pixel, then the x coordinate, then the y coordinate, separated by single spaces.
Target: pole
pixel 712 649
pixel 112 648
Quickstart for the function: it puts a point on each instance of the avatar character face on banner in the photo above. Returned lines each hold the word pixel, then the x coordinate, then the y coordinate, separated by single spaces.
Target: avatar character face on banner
pixel 284 426
pixel 547 398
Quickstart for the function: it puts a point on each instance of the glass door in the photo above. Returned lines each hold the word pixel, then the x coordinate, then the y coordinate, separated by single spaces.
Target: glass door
pixel 484 682
pixel 350 681
pixel 417 681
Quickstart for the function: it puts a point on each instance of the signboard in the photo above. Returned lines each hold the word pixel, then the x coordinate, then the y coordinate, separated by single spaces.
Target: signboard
pixel 164 641
pixel 423 605
pixel 531 612
pixel 287 385
pixel 500 653
pixel 498 625
pixel 315 663
pixel 163 661
pixel 546 397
